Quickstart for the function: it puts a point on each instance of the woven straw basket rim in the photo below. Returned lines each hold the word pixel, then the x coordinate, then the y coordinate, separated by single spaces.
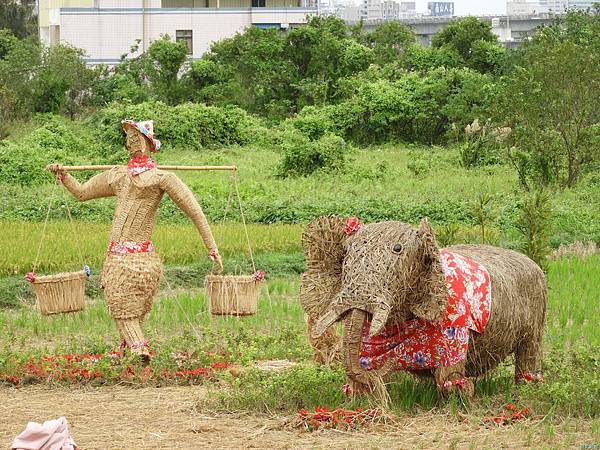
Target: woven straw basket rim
pixel 231 278
pixel 58 277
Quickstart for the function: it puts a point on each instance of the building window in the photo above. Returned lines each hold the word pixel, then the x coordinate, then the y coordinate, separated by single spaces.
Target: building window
pixel 186 36
pixel 258 3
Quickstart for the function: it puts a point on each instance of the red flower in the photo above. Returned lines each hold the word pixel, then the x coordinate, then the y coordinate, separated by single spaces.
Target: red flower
pixel 352 225
pixel 30 276
pixel 258 275
pixel 214 254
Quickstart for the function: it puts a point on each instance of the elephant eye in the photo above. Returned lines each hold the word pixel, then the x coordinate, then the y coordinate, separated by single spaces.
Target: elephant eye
pixel 397 249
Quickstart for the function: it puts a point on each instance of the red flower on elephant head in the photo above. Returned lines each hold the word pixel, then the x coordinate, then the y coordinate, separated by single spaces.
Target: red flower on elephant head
pixel 352 225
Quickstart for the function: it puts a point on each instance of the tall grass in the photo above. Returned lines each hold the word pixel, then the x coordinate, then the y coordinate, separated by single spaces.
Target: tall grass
pixel 176 244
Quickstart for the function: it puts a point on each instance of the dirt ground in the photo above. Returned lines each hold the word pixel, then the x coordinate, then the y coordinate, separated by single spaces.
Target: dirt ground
pixel 121 417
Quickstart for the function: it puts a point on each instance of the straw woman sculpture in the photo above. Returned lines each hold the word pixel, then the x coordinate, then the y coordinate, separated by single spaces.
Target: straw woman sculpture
pixel 132 268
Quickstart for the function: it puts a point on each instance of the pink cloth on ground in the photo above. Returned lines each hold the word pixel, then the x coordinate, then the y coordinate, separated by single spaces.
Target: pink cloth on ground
pixel 51 435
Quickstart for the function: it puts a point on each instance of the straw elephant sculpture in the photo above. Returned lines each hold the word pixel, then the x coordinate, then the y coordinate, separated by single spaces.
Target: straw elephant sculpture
pixel 397 294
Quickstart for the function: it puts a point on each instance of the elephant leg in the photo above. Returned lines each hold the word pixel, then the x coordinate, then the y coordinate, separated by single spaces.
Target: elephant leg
pixel 453 379
pixel 528 358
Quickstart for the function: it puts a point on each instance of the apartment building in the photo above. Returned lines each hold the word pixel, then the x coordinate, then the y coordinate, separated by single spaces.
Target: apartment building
pixel 106 29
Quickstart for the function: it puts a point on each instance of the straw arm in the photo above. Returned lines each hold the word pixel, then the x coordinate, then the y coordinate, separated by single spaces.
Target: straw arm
pixel 97 167
pixel 96 187
pixel 183 197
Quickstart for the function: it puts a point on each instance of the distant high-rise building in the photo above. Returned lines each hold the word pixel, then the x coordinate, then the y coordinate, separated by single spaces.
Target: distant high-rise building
pixel 553 5
pixel 408 10
pixel 581 4
pixel 522 8
pixel 390 10
pixel 441 9
pixel 562 5
pixel 371 10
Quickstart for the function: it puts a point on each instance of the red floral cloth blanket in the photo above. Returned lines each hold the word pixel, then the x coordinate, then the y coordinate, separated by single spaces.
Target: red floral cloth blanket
pixel 419 344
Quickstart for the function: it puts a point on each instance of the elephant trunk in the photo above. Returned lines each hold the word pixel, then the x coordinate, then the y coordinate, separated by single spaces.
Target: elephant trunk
pixel 379 307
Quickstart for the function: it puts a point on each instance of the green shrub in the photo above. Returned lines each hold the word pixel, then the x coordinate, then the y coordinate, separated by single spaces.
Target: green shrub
pixel 407 107
pixel 534 224
pixel 329 153
pixel 188 125
pixel 23 162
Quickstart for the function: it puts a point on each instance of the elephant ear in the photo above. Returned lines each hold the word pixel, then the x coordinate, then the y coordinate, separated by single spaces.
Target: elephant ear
pixel 431 295
pixel 323 242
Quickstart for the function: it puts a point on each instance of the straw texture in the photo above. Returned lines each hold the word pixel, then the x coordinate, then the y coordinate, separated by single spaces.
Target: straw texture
pixel 131 282
pixel 61 292
pixel 323 243
pixel 131 279
pixel 232 295
pixel 389 272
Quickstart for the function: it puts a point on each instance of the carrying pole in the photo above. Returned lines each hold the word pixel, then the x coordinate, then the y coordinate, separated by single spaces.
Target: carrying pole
pixel 95 167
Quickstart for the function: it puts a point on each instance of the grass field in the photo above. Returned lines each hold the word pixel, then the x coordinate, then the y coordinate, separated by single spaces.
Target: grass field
pixel 65 245
pixel 380 183
pixel 180 321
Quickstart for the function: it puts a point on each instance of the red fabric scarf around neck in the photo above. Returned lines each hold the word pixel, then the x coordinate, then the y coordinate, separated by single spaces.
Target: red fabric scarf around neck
pixel 140 164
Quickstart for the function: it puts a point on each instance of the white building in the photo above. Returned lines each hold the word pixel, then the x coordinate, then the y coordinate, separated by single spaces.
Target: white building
pixel 522 8
pixel 106 29
pixel 371 10
pixel 348 13
pixel 390 10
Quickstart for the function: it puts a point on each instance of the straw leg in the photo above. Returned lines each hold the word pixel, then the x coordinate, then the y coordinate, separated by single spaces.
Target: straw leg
pixel 452 373
pixel 528 357
pixel 147 309
pixel 131 331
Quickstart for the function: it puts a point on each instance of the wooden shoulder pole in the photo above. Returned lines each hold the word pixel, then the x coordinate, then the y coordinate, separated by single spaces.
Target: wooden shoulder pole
pixel 78 168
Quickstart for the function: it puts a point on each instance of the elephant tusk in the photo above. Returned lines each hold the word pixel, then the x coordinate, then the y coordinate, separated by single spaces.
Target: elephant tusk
pixel 380 317
pixel 323 323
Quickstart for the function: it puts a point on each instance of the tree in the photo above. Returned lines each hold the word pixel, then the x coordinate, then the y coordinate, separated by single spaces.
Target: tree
pixel 552 102
pixel 163 63
pixel 43 79
pixel 389 41
pixel 474 41
pixel 7 42
pixel 19 17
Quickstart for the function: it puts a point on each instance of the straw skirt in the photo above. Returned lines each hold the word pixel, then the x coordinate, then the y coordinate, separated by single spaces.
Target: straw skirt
pixel 130 282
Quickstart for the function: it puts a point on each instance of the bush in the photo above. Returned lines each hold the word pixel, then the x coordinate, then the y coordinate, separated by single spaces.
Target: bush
pixel 406 107
pixel 328 153
pixel 53 140
pixel 188 125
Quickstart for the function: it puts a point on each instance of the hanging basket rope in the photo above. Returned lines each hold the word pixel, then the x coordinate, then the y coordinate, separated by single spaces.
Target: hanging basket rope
pixel 62 292
pixel 235 295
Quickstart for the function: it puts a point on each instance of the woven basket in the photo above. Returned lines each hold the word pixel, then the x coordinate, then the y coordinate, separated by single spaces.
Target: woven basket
pixel 60 293
pixel 232 295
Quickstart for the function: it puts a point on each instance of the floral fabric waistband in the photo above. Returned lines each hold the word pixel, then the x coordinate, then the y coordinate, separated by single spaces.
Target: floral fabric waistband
pixel 130 247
